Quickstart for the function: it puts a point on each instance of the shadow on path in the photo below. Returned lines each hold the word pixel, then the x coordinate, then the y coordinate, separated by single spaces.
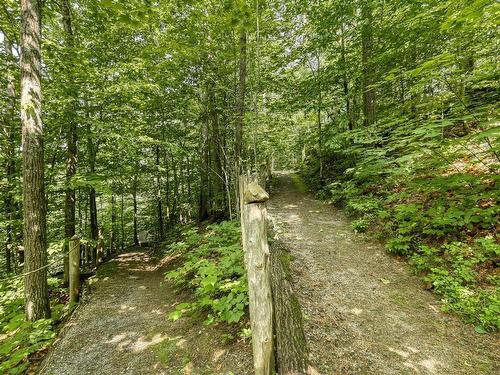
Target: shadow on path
pixel 122 328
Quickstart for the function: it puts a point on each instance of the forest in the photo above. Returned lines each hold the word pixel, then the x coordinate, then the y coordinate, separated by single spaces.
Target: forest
pixel 127 123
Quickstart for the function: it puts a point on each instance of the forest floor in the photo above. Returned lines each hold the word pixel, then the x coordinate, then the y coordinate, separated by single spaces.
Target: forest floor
pixel 121 327
pixel 365 313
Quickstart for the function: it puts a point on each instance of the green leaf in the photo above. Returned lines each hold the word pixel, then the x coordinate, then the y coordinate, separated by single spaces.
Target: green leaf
pixel 480 329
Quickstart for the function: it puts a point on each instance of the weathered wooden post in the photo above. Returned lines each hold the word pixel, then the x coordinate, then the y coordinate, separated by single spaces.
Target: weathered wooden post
pixel 74 269
pixel 257 260
pixel 100 246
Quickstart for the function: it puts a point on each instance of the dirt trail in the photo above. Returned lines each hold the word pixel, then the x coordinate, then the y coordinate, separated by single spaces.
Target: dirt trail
pixel 364 311
pixel 122 328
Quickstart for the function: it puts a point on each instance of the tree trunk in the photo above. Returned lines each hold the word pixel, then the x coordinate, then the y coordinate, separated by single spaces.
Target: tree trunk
pixel 71 139
pixel 34 207
pixel 122 236
pixel 161 233
pixel 134 196
pixel 345 79
pixel 175 203
pixel 167 190
pixel 320 129
pixel 204 173
pixel 112 235
pixel 190 197
pixel 240 113
pixel 368 67
pixel 74 269
pixel 10 163
pixel 219 186
pixel 94 229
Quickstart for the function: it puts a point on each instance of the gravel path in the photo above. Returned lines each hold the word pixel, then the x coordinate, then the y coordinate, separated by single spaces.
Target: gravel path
pixel 113 332
pixel 364 311
pixel 122 328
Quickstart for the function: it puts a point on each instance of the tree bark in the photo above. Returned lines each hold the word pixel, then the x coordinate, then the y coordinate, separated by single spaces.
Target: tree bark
pixel 71 139
pixel 167 191
pixel 190 198
pixel 320 128
pixel 240 113
pixel 10 163
pixel 94 229
pixel 74 269
pixel 345 80
pixel 161 232
pixel 219 185
pixel 122 234
pixel 134 197
pixel 368 67
pixel 112 235
pixel 34 206
pixel 174 218
pixel 204 172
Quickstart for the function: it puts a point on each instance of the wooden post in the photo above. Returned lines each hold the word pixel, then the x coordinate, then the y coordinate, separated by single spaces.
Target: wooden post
pixel 257 260
pixel 291 347
pixel 74 269
pixel 100 246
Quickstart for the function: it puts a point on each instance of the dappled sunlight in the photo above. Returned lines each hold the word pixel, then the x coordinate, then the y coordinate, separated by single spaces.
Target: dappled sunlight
pixel 142 343
pixel 124 308
pixel 411 360
pixel 165 261
pixel 218 353
pixel 130 341
pixel 357 311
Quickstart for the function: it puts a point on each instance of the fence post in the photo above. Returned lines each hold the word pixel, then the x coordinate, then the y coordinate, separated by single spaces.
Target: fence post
pixel 257 261
pixel 74 269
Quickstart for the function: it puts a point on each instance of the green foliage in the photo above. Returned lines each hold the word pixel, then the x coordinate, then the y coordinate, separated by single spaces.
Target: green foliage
pixel 212 267
pixel 360 225
pixel 18 338
pixel 457 272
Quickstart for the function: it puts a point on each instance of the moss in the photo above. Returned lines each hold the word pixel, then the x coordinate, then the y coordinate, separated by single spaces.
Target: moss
pixel 299 183
pixel 107 269
pixel 168 352
pixel 399 300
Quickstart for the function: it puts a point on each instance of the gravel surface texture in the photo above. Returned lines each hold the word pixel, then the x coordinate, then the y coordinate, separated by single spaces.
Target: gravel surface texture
pixel 365 313
pixel 122 328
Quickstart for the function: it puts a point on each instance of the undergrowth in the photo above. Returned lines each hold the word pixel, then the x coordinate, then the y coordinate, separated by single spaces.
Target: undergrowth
pixel 432 197
pixel 19 339
pixel 212 267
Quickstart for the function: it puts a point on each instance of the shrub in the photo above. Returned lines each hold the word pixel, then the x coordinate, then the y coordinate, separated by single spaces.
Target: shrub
pixel 212 266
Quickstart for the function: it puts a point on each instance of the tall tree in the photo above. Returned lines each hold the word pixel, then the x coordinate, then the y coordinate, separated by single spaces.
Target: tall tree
pixel 240 108
pixel 368 66
pixel 10 154
pixel 71 134
pixel 35 246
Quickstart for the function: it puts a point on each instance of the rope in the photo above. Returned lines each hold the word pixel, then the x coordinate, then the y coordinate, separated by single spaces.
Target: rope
pixel 36 270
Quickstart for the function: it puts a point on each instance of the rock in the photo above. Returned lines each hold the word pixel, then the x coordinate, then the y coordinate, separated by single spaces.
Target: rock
pixel 255 194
